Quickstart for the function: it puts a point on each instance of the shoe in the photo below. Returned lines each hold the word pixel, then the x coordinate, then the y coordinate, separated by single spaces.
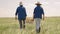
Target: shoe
pixel 38 31
pixel 23 26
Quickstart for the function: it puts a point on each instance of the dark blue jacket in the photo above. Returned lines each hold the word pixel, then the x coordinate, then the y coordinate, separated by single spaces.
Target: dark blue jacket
pixel 38 11
pixel 21 12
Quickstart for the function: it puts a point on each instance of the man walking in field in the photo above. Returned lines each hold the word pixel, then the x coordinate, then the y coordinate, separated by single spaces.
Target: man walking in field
pixel 21 12
pixel 38 12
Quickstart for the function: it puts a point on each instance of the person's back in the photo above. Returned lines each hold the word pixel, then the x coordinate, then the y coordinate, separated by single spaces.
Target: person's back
pixel 21 12
pixel 38 11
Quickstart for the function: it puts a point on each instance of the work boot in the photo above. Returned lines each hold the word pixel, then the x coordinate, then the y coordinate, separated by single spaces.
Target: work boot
pixel 38 31
pixel 23 26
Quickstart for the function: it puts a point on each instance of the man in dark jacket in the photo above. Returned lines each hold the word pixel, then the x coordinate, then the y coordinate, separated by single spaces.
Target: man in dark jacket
pixel 21 12
pixel 38 12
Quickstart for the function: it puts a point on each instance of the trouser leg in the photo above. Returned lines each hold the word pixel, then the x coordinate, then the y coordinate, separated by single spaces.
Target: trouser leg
pixel 20 22
pixel 24 23
pixel 37 24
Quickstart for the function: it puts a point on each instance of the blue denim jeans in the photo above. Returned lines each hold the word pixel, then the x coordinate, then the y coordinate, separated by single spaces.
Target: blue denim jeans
pixel 37 21
pixel 22 23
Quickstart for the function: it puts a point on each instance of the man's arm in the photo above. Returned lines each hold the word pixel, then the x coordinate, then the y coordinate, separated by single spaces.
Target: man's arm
pixel 25 11
pixel 43 16
pixel 33 18
pixel 33 14
pixel 16 14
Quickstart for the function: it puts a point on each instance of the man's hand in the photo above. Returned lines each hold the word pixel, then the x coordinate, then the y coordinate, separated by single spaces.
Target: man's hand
pixel 43 17
pixel 15 17
pixel 32 20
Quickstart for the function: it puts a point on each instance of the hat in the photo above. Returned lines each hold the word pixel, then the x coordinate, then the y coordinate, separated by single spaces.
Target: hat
pixel 38 3
pixel 20 3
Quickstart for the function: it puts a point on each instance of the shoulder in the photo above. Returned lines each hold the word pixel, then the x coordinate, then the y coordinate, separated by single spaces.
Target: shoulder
pixel 41 7
pixel 35 8
pixel 23 7
pixel 18 7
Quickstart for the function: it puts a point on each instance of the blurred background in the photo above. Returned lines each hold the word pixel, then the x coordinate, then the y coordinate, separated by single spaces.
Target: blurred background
pixel 8 7
pixel 51 24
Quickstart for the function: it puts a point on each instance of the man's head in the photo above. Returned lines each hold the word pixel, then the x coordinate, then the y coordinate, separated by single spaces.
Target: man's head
pixel 38 3
pixel 20 4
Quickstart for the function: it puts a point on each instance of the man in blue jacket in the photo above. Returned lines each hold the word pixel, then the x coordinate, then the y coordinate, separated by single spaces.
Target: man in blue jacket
pixel 21 12
pixel 38 12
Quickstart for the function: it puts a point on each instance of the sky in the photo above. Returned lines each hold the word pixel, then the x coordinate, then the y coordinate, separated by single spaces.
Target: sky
pixel 8 7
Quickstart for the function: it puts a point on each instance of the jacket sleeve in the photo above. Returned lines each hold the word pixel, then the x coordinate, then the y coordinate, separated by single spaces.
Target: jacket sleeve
pixel 16 12
pixel 25 11
pixel 42 11
pixel 34 11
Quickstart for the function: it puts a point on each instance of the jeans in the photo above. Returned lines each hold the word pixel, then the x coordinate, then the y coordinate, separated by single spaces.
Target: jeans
pixel 22 23
pixel 37 21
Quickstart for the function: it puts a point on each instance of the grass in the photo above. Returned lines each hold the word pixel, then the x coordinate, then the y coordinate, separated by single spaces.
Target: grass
pixel 51 25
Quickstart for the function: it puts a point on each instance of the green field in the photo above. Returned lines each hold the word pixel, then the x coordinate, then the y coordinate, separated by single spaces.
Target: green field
pixel 51 25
